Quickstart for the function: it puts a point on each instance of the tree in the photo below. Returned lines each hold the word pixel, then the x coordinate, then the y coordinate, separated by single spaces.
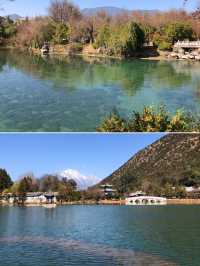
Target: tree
pixel 72 183
pixel 148 32
pixel 49 183
pixel 61 33
pixel 25 185
pixel 162 42
pixel 7 28
pixel 23 188
pixel 180 192
pixel 5 180
pixel 178 31
pixel 191 178
pixel 126 39
pixel 103 36
pixel 168 191
pixel 67 190
pixel 88 29
pixel 63 11
pixel 34 33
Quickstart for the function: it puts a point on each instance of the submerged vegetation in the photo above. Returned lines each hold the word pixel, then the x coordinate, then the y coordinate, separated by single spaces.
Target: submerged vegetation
pixel 151 119
pixel 120 35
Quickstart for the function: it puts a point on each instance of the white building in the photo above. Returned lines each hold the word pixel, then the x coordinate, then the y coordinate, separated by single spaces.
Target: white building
pixel 32 198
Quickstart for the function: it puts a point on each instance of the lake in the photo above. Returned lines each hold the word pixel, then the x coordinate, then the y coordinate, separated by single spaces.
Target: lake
pixel 65 94
pixel 100 235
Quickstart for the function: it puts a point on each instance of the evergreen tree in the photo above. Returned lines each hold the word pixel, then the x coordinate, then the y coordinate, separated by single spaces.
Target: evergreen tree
pixel 5 180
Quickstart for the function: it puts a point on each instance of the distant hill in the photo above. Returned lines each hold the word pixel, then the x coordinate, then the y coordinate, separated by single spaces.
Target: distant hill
pixel 14 17
pixel 171 158
pixel 112 11
pixel 109 10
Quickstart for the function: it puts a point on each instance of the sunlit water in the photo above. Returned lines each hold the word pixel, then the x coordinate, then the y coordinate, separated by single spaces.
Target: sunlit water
pixel 100 235
pixel 75 94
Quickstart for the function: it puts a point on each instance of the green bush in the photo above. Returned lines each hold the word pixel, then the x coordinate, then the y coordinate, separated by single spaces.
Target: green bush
pixel 61 33
pixel 75 48
pixel 148 32
pixel 103 36
pixel 162 42
pixel 165 46
pixel 151 120
pixel 114 123
pixel 124 40
pixel 177 31
pixel 7 28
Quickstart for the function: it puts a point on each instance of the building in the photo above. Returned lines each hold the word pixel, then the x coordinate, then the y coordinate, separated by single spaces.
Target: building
pixel 186 50
pixel 192 192
pixel 31 198
pixel 108 190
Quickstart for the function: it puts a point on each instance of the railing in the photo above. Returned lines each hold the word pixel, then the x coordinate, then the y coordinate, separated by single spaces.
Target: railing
pixel 187 44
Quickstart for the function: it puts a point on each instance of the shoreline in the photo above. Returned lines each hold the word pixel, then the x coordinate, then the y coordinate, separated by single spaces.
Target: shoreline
pixel 57 52
pixel 35 51
pixel 104 203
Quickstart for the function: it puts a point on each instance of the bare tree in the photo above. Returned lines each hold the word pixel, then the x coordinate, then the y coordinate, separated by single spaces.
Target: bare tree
pixel 63 11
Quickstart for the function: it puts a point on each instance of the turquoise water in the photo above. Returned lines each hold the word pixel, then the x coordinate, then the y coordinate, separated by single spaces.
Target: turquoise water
pixel 100 235
pixel 75 94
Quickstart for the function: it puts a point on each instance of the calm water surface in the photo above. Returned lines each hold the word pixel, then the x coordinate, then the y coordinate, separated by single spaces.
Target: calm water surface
pixel 100 235
pixel 75 94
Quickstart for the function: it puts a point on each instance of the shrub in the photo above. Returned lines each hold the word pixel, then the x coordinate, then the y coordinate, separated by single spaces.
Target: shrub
pixel 103 36
pixel 178 31
pixel 75 48
pixel 148 32
pixel 162 42
pixel 151 119
pixel 61 33
pixel 114 123
pixel 125 39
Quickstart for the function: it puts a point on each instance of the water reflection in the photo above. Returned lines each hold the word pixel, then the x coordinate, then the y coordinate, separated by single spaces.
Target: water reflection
pixel 168 232
pixel 75 94
pixel 75 253
pixel 71 72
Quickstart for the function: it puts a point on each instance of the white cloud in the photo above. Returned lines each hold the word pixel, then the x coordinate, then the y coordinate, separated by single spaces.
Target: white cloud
pixel 82 181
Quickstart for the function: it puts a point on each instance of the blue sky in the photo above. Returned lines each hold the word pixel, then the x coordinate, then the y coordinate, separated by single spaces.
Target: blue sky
pixel 39 7
pixel 91 154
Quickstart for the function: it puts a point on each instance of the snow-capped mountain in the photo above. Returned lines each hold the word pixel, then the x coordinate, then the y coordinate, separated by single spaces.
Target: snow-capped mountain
pixel 82 181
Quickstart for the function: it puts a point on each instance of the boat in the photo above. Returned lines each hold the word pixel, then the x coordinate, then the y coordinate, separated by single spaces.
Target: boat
pixel 140 198
pixel 45 49
pixel 49 206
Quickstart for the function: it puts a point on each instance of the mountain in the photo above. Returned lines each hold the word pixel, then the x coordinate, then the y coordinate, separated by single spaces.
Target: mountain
pixel 109 10
pixel 14 17
pixel 112 11
pixel 82 181
pixel 173 158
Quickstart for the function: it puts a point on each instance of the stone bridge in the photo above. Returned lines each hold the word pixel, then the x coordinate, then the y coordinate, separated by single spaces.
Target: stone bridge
pixel 146 200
